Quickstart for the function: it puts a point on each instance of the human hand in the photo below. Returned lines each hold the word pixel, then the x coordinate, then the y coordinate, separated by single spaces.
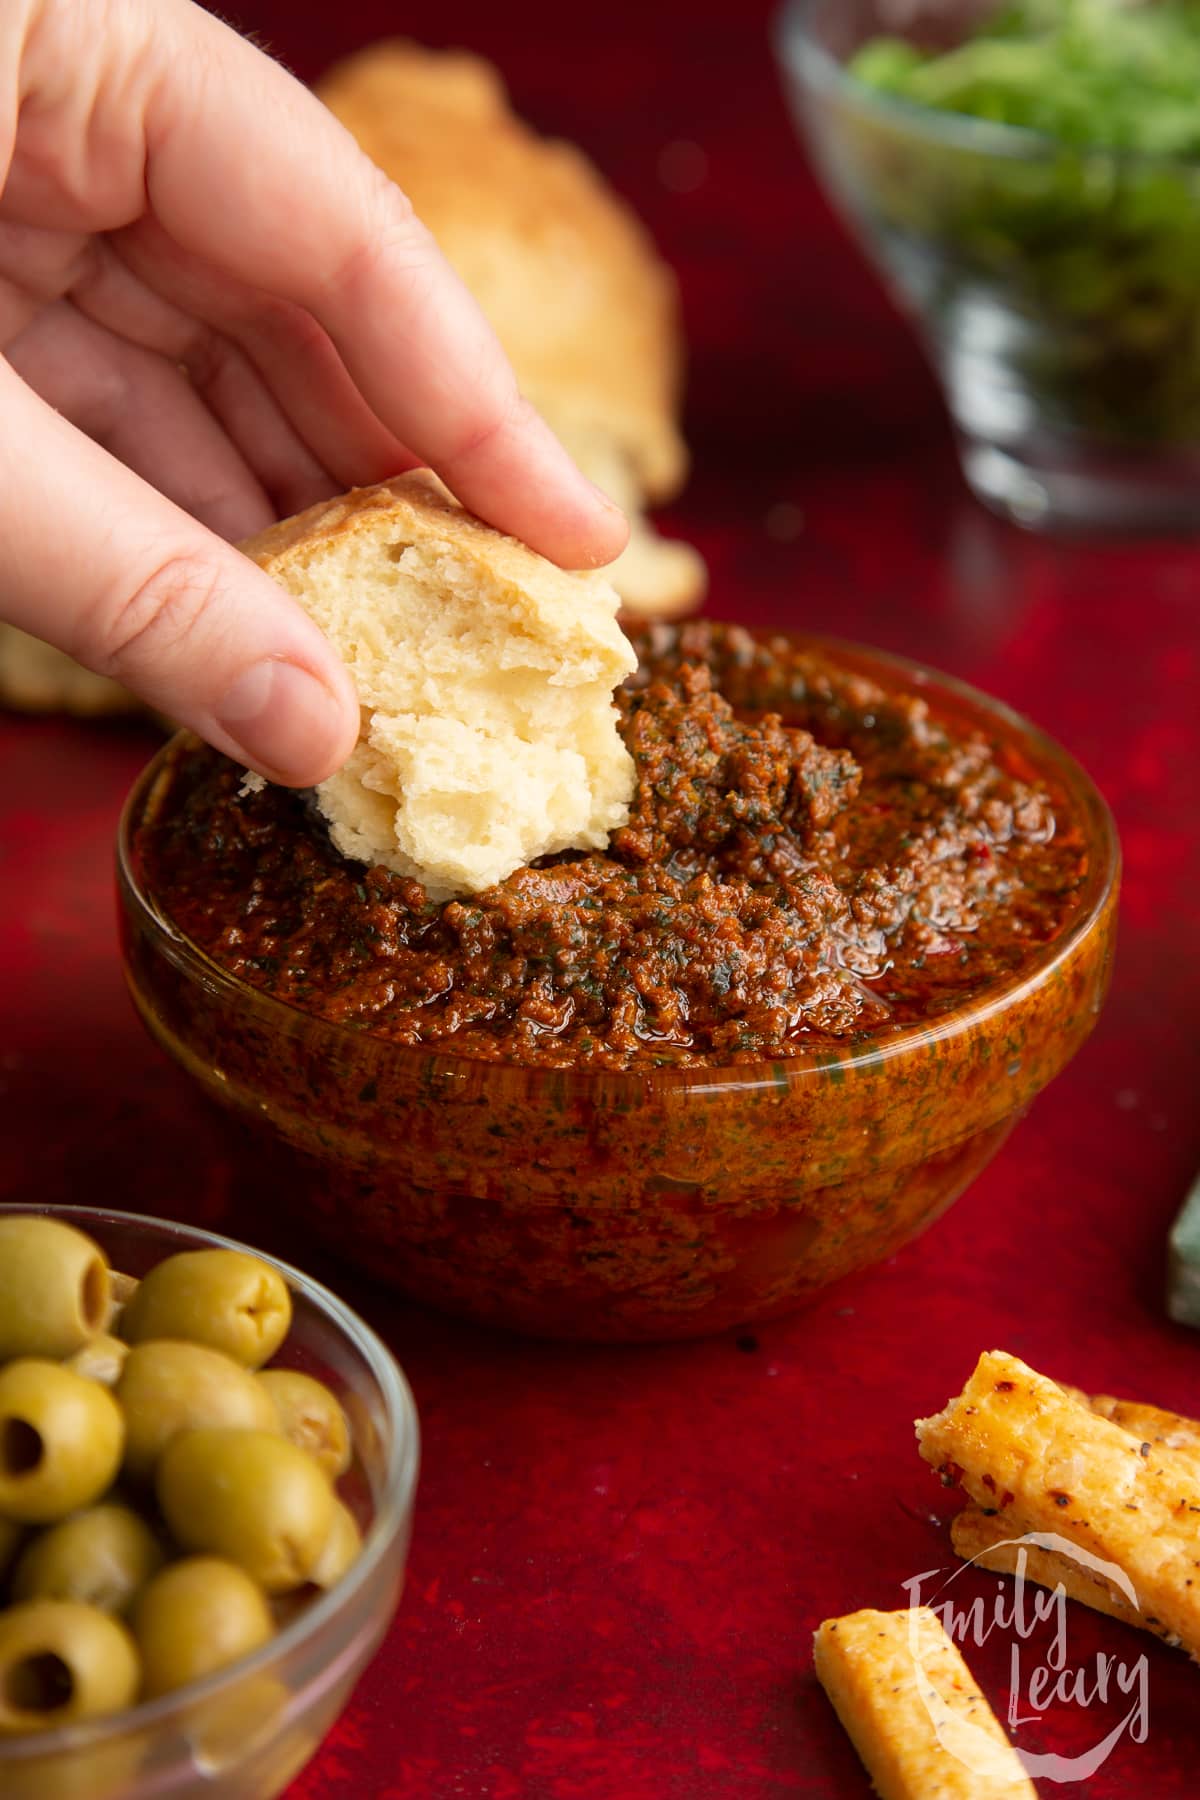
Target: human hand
pixel 215 310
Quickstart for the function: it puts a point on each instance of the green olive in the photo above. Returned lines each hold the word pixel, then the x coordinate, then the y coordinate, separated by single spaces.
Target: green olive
pixel 250 1496
pixel 124 1287
pixel 61 1437
pixel 312 1417
pixel 105 1771
pixel 168 1386
pixel 101 1360
pixel 244 1722
pixel 196 1616
pixel 54 1287
pixel 224 1298
pixel 60 1662
pixel 341 1547
pixel 101 1556
pixel 10 1537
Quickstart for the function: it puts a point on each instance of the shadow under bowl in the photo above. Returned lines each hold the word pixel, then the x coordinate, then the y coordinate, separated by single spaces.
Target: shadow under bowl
pixel 650 1203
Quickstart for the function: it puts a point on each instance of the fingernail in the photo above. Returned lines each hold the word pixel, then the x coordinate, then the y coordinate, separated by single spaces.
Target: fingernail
pixel 285 721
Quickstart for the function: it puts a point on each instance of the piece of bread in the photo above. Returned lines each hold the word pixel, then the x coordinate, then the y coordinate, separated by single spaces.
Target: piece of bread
pixel 570 280
pixel 37 678
pixel 1022 1447
pixel 656 577
pixel 486 675
pixel 912 1710
pixel 564 270
pixel 1002 1543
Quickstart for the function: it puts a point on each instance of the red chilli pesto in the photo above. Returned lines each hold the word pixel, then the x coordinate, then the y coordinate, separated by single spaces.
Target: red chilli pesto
pixel 782 884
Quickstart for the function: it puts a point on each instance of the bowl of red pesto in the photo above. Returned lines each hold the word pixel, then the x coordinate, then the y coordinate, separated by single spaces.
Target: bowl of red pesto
pixel 858 919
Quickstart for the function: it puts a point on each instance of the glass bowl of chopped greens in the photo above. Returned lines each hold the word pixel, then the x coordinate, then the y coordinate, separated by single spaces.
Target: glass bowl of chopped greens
pixel 1027 177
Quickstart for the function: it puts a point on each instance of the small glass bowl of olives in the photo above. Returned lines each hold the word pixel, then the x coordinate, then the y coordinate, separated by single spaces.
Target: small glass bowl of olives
pixel 207 1471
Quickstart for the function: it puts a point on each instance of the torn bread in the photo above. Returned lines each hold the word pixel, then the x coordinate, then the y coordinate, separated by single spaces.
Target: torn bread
pixel 657 577
pixel 37 678
pixel 568 277
pixel 1026 1450
pixel 913 1711
pixel 485 674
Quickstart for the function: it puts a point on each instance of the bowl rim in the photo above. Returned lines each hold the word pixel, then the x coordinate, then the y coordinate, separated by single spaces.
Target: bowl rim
pixel 399 1488
pixel 815 67
pixel 1010 728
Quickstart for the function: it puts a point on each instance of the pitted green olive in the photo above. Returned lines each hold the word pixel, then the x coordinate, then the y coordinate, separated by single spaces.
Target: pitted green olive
pixel 102 1557
pixel 169 1386
pixel 311 1417
pixel 55 1290
pixel 10 1538
pixel 61 1662
pixel 61 1437
pixel 341 1547
pixel 195 1617
pixel 100 1360
pixel 226 1299
pixel 250 1496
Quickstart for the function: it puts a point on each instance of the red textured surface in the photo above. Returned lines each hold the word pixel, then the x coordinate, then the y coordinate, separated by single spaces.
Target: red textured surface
pixel 620 1554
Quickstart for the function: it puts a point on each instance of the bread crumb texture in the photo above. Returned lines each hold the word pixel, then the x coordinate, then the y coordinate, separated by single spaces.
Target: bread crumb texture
pixel 485 674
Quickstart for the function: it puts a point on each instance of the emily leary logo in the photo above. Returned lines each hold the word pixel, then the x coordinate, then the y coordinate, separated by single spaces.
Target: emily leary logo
pixel 1041 1676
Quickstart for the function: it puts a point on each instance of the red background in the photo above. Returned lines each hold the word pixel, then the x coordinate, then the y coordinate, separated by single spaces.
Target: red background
pixel 620 1555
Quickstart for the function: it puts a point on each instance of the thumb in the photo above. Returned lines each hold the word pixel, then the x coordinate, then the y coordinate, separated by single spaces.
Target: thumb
pixel 97 562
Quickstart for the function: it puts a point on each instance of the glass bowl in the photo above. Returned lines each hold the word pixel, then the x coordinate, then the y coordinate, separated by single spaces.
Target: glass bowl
pixel 1057 289
pixel 245 1732
pixel 648 1203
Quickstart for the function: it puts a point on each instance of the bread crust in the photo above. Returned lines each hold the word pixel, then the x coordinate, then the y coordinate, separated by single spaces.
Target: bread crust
pixel 37 678
pixel 568 276
pixel 419 504
pixel 485 679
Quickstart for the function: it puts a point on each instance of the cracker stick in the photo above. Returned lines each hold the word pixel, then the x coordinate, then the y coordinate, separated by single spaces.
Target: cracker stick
pixel 1015 1440
pixel 912 1711
pixel 1074 1393
pixel 1167 1428
pixel 988 1540
pixel 1150 1423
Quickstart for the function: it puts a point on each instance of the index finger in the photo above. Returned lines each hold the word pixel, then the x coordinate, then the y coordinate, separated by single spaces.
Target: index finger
pixel 245 168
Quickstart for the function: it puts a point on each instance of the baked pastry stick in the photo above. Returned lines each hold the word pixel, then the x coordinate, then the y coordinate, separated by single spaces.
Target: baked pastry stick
pixel 913 1712
pixel 1042 1462
pixel 987 1538
pixel 1164 1430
